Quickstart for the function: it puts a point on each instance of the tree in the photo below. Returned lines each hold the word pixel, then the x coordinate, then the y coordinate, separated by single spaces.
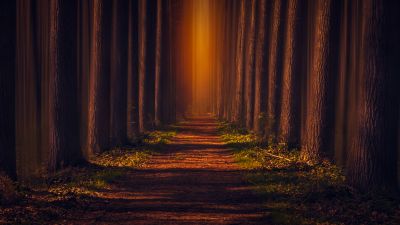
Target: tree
pixel 249 65
pixel 7 87
pixel 118 75
pixel 260 81
pixel 372 160
pixel 274 68
pixel 132 77
pixel 289 122
pixel 320 112
pixel 63 128
pixel 157 79
pixel 142 64
pixel 99 100
pixel 239 75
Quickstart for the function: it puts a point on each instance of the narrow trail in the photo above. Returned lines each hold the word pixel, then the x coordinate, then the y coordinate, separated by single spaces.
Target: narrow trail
pixel 194 180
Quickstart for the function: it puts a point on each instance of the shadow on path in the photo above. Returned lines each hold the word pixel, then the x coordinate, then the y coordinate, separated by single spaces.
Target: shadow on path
pixel 193 180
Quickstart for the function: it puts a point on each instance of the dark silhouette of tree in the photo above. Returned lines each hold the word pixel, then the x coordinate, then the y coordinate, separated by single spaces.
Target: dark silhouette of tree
pixel 372 159
pixel 7 87
pixel 132 77
pixel 63 117
pixel 118 75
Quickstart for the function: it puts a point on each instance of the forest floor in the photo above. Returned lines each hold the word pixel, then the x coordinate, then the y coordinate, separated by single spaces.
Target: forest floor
pixel 191 179
pixel 199 171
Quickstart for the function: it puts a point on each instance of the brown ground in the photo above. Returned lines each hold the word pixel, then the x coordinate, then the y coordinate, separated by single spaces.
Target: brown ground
pixel 194 180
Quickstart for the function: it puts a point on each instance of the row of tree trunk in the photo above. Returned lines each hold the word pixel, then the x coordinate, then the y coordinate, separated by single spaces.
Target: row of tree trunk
pixel 319 75
pixel 78 77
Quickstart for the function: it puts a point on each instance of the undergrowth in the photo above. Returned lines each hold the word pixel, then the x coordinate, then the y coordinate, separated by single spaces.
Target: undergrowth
pixel 300 192
pixel 51 196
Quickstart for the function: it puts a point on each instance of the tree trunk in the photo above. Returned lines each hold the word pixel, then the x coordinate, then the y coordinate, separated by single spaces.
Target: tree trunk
pixel 83 74
pixel 289 122
pixel 239 75
pixel 27 90
pixel 260 87
pixel 320 110
pixel 118 76
pixel 372 159
pixel 132 86
pixel 142 64
pixel 99 100
pixel 157 78
pixel 274 69
pixel 7 87
pixel 249 65
pixel 62 101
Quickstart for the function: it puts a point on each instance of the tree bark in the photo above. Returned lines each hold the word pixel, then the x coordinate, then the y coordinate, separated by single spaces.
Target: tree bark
pixel 289 122
pixel 62 105
pixel 249 65
pixel 142 64
pixel 83 74
pixel 7 87
pixel 239 75
pixel 99 100
pixel 260 81
pixel 118 76
pixel 27 91
pixel 320 110
pixel 132 86
pixel 372 159
pixel 274 69
pixel 157 79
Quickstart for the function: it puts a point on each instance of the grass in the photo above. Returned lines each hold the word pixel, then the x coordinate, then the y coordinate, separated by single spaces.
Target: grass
pixel 299 192
pixel 51 196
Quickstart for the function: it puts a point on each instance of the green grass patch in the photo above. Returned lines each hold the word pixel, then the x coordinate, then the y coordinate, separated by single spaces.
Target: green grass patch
pixel 300 192
pixel 159 137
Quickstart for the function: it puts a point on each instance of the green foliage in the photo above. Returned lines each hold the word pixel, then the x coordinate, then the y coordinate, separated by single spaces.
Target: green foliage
pixel 158 137
pixel 121 157
pixel 297 191
pixel 237 137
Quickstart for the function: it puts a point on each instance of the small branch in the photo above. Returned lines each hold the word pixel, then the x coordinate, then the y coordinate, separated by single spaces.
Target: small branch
pixel 277 156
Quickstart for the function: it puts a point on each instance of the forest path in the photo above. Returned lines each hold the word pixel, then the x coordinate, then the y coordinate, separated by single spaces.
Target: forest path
pixel 194 180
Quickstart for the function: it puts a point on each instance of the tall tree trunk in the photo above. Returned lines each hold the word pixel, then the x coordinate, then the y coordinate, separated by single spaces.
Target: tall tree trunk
pixel 343 88
pixel 27 110
pixel 320 110
pixel 249 65
pixel 132 89
pixel 260 81
pixel 142 63
pixel 62 104
pixel 289 122
pixel 372 160
pixel 157 79
pixel 99 101
pixel 118 78
pixel 7 87
pixel 83 74
pixel 239 75
pixel 274 69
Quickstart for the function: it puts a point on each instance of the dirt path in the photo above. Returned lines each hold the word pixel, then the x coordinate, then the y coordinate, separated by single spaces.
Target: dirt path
pixel 193 181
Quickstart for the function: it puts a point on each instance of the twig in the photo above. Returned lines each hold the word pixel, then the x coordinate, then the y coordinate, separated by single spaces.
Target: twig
pixel 277 156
